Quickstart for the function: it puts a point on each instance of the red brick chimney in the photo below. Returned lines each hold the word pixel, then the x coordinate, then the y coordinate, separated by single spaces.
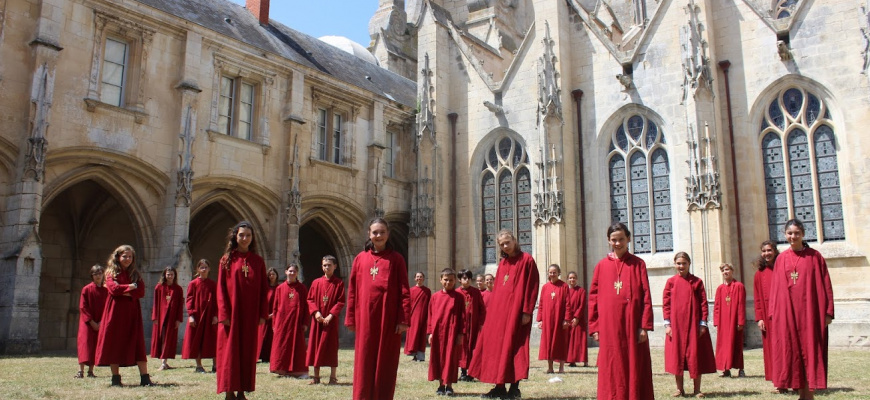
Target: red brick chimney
pixel 260 9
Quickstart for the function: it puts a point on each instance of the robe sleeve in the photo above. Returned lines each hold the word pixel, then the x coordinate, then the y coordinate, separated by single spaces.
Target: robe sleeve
pixel 566 302
pixel 223 295
pixel 458 309
pixel 179 311
pixel 404 317
pixel 84 306
pixel 191 301
pixel 717 305
pixel 666 301
pixel 530 297
pixel 139 292
pixel 431 319
pixel 540 317
pixel 311 298
pixel 157 296
pixel 339 300
pixel 481 307
pixel 647 319
pixel 701 298
pixel 741 305
pixel 758 297
pixel 593 302
pixel 829 291
pixel 350 315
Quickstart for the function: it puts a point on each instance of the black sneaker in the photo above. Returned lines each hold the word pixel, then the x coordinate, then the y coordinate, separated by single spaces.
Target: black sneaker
pixel 741 374
pixel 497 392
pixel 726 374
pixel 116 380
pixel 441 391
pixel 513 393
pixel 448 391
pixel 145 380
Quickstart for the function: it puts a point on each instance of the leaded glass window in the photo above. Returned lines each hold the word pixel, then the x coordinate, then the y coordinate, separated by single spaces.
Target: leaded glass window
pixel 640 190
pixel 506 196
pixel 801 175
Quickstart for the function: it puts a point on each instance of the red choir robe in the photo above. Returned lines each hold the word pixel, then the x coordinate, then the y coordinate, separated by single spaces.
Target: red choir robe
pixel 729 311
pixel 200 341
pixel 761 296
pixel 327 296
pixel 241 299
pixel 552 313
pixel 265 331
pixel 577 342
pixel 121 339
pixel 475 316
pixel 446 323
pixel 378 300
pixel 168 309
pixel 289 319
pixel 801 298
pixel 91 306
pixel 685 306
pixel 624 365
pixel 504 340
pixel 415 339
pixel 485 294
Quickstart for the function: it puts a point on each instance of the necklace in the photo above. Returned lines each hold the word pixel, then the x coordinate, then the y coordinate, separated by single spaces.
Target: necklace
pixel 730 290
pixel 374 270
pixel 794 273
pixel 618 283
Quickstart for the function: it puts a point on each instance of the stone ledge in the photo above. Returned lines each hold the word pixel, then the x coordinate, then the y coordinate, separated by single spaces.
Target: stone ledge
pixel 138 115
pixel 215 136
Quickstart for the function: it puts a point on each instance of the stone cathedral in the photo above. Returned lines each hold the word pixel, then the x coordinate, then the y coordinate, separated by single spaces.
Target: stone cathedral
pixel 703 125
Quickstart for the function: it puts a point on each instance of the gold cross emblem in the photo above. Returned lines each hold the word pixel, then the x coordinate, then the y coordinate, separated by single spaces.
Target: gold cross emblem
pixel 728 299
pixel 373 272
pixel 325 299
pixel 506 276
pixel 168 297
pixel 245 269
pixel 467 304
pixel 291 295
pixel 617 285
pixel 794 277
pixel 552 295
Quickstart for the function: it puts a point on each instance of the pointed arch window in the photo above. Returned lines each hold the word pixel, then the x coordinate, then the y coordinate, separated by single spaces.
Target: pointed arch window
pixel 506 198
pixel 640 191
pixel 801 173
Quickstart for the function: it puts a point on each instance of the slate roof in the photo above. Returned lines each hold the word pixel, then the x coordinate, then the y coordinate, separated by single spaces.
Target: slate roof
pixel 292 45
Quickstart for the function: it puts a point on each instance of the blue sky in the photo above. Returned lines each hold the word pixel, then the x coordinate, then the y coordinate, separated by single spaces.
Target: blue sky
pixel 349 18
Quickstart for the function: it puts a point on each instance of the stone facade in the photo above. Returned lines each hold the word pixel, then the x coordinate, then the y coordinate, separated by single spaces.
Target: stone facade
pixel 682 118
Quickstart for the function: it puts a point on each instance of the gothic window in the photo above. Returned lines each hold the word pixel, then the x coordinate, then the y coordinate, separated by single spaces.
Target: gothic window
pixel 640 192
pixel 239 100
pixel 114 74
pixel 236 107
pixel 784 8
pixel 506 196
pixel 801 175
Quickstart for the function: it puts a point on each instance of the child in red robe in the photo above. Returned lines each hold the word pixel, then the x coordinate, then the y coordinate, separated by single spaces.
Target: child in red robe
pixel 91 305
pixel 200 338
pixel 265 331
pixel 729 317
pixel 415 339
pixel 289 322
pixel 504 342
pixel 761 296
pixel 620 317
pixel 801 308
pixel 687 341
pixel 325 302
pixel 445 328
pixel 554 318
pixel 488 282
pixel 242 307
pixel 166 316
pixel 475 315
pixel 577 346
pixel 121 341
pixel 378 311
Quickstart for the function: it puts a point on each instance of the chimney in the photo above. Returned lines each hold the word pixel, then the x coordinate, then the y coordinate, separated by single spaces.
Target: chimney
pixel 260 9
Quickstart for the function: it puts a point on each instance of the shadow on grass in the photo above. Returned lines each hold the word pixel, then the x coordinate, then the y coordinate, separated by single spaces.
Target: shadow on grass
pixel 474 395
pixel 738 394
pixel 835 390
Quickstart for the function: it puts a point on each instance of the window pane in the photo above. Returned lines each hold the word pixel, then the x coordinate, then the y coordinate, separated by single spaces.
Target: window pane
pixel 388 154
pixel 635 127
pixel 114 67
pixel 489 221
pixel 247 95
pixel 774 183
pixel 506 201
pixel 116 51
pixel 640 204
pixel 110 94
pixel 336 139
pixel 113 74
pixel 829 184
pixel 618 199
pixel 524 209
pixel 793 100
pixel 662 201
pixel 321 134
pixel 802 182
pixel 225 105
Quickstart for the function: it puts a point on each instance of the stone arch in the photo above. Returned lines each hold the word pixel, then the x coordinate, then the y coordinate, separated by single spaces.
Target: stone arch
pixel 340 217
pixel 399 231
pixel 81 223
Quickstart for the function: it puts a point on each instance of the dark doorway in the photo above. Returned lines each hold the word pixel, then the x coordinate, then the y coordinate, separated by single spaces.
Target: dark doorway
pixel 208 235
pixel 79 228
pixel 314 243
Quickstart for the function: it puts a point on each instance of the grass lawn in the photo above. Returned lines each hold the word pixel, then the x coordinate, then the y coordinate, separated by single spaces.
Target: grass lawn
pixel 50 377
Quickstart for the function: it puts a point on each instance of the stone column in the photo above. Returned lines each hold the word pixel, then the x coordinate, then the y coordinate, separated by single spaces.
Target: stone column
pixel 21 264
